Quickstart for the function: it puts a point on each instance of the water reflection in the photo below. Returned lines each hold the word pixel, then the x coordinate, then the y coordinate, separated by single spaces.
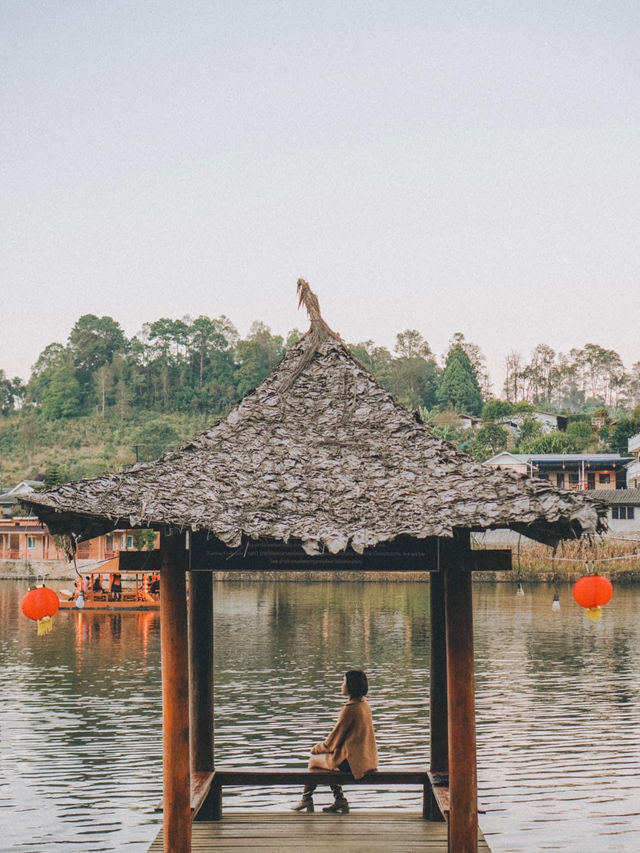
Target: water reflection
pixel 80 729
pixel 558 702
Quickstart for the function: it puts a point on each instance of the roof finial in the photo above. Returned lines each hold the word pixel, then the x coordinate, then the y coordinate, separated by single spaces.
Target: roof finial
pixel 307 297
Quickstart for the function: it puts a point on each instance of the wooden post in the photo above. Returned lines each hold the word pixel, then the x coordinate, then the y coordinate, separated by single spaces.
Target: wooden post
pixel 463 785
pixel 201 676
pixel 175 695
pixel 439 752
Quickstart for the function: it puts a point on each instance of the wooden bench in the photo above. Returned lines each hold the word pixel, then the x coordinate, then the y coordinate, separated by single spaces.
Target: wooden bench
pixel 206 788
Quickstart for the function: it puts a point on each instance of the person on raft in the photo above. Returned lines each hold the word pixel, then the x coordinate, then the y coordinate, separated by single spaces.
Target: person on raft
pixel 351 746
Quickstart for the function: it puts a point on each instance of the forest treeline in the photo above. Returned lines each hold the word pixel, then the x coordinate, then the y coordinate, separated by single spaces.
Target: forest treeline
pixel 174 375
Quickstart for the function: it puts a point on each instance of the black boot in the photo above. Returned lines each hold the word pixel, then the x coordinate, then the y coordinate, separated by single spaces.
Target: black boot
pixel 306 803
pixel 340 804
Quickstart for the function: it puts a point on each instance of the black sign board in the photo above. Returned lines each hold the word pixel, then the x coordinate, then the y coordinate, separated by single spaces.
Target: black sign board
pixel 404 554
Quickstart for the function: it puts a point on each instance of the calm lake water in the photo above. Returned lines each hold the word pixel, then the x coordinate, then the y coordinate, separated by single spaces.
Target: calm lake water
pixel 558 705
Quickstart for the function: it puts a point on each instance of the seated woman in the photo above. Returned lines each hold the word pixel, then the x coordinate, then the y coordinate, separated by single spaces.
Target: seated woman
pixel 351 746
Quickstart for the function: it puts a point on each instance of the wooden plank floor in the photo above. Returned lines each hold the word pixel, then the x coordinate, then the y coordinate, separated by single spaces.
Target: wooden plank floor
pixel 269 832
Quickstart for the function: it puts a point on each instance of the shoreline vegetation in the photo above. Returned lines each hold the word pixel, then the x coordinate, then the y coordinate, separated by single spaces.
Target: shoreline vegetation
pixel 619 560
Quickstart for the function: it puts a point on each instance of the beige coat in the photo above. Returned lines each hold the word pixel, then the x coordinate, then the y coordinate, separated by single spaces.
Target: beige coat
pixel 352 738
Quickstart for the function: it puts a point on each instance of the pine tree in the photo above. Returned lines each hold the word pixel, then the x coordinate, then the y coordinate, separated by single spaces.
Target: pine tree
pixel 459 389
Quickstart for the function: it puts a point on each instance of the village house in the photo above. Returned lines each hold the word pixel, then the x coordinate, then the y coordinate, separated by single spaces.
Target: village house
pixel 615 478
pixel 623 505
pixel 9 500
pixel 606 471
pixel 469 422
pixel 633 468
pixel 26 538
pixel 547 421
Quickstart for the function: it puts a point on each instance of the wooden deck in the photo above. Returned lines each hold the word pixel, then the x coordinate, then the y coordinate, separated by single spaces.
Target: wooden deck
pixel 357 832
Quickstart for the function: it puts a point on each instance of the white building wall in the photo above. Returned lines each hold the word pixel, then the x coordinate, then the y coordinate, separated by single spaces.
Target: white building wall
pixel 624 525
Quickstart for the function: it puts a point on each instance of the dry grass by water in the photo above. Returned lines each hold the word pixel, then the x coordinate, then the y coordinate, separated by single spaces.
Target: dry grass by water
pixel 572 558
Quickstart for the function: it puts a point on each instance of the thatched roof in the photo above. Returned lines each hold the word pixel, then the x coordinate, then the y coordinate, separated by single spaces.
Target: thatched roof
pixel 319 453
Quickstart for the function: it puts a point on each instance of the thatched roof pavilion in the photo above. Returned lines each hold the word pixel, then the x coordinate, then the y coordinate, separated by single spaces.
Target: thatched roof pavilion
pixel 317 467
pixel 318 454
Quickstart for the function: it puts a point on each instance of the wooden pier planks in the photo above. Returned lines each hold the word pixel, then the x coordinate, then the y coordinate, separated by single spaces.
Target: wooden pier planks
pixel 365 832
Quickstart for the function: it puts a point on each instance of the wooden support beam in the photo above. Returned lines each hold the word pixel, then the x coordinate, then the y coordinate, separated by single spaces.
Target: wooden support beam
pixel 200 613
pixel 175 695
pixel 201 669
pixel 439 739
pixel 463 784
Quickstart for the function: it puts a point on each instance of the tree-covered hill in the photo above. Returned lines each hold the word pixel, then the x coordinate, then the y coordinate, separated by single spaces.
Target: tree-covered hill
pixel 99 400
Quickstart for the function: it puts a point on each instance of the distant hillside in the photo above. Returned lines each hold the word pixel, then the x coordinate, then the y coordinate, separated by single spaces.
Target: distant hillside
pixel 31 446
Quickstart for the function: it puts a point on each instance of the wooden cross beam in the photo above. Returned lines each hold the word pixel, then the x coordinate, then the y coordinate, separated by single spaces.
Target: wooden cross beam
pixel 404 554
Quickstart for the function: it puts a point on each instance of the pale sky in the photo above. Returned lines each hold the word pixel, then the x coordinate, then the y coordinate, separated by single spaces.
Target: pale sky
pixel 445 166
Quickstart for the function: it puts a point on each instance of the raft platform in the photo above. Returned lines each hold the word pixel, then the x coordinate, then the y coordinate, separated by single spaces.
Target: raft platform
pixel 356 832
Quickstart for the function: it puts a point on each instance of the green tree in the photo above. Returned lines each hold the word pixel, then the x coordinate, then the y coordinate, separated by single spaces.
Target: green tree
pixel 538 374
pixel 529 429
pixel 144 538
pixel 414 375
pixel 601 372
pixel 154 438
pixel 54 474
pixel 513 382
pixel 62 396
pixel 377 360
pixel 292 338
pixel 211 346
pixel 257 355
pixel 489 440
pixel 620 433
pixel 12 392
pixel 459 388
pixel 411 344
pixel 566 393
pixel 478 362
pixel 52 357
pixel 6 394
pixel 582 433
pixel 29 436
pixel 633 385
pixel 167 362
pixel 523 406
pixel 93 343
pixel 204 337
pixel 494 409
pixel 414 381
pixel 553 442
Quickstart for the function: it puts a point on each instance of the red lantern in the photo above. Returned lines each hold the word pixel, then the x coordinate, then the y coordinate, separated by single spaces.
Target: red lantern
pixel 40 604
pixel 591 592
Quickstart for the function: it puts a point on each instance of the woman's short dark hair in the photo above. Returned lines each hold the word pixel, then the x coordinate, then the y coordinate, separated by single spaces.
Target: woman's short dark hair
pixel 357 684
